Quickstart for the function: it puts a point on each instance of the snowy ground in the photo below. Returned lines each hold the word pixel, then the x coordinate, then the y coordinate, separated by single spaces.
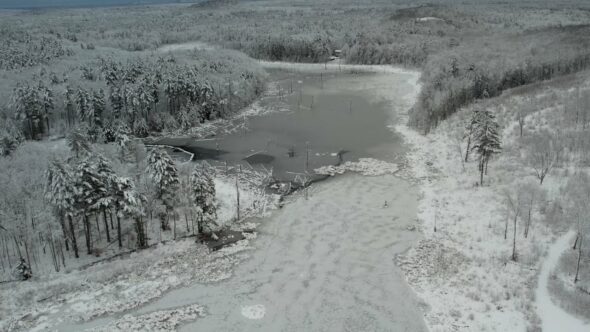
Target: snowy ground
pixel 110 288
pixel 322 264
pixel 331 260
pixel 135 279
pixel 554 317
pixel 462 270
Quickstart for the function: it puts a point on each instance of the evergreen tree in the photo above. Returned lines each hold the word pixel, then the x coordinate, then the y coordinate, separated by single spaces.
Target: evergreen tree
pixel 29 107
pixel 163 172
pixel 85 107
pixel 129 203
pixel 203 192
pixel 470 130
pixel 117 102
pixel 10 138
pixel 70 104
pixel 78 143
pixel 99 106
pixel 89 188
pixel 106 199
pixel 48 102
pixel 59 192
pixel 487 140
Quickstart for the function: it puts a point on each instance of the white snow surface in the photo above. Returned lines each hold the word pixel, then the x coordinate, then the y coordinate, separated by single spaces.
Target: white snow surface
pixel 132 281
pixel 321 264
pixel 326 263
pixel 165 320
pixel 428 18
pixel 256 311
pixel 185 47
pixel 554 318
pixel 463 270
pixel 364 166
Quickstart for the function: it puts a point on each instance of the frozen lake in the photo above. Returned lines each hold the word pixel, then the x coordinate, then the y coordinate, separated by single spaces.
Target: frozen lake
pixel 325 263
pixel 332 117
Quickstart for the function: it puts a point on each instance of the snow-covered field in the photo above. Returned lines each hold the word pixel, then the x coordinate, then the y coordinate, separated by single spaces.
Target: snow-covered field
pixel 320 264
pixel 462 268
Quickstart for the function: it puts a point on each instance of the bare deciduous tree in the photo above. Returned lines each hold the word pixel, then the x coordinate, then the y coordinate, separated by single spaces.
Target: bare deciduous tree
pixel 578 192
pixel 544 153
pixel 531 195
pixel 513 200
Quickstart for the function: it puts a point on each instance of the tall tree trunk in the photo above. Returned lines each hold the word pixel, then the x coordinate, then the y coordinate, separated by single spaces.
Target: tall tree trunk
pixel 62 223
pixel 187 226
pixel 97 226
pixel 54 256
pixel 28 257
pixel 63 258
pixel 17 246
pixel 73 234
pixel 514 238
pixel 528 223
pixel 119 231
pixel 164 220
pixel 5 242
pixel 579 258
pixel 88 235
pixel 141 243
pixel 106 224
pixel 200 223
pixel 481 172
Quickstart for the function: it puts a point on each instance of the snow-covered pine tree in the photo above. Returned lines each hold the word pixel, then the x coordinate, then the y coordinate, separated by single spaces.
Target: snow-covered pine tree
pixel 106 199
pixel 470 128
pixel 99 106
pixel 129 203
pixel 48 102
pixel 163 172
pixel 78 143
pixel 88 188
pixel 117 101
pixel 59 192
pixel 487 140
pixel 203 192
pixel 28 106
pixel 10 138
pixel 70 105
pixel 145 98
pixel 85 107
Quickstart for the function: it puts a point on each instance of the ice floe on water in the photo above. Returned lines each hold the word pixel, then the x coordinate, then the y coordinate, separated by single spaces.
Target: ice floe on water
pixel 164 320
pixel 364 166
pixel 256 311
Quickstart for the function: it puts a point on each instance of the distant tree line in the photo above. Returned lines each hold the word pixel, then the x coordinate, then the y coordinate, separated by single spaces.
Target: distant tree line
pixel 19 49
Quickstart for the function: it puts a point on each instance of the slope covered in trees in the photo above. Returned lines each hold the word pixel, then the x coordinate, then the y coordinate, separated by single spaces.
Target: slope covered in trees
pixel 467 51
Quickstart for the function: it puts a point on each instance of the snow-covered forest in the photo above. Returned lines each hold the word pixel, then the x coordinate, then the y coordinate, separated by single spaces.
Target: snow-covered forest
pixel 487 105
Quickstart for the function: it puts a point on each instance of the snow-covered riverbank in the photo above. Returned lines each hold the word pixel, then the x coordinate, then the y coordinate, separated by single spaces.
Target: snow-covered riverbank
pixel 462 269
pixel 178 264
pixel 132 280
